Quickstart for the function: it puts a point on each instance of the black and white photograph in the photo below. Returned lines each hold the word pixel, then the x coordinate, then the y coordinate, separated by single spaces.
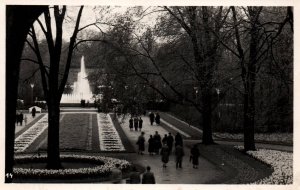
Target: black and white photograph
pixel 149 94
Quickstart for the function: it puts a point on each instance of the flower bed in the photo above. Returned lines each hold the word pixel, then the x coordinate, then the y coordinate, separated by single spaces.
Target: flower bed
pixel 108 135
pixel 23 141
pixel 74 131
pixel 281 162
pixel 271 137
pixel 103 168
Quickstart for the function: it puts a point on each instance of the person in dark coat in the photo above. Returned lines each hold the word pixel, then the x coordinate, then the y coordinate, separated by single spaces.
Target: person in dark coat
pixel 151 145
pixel 33 111
pixel 95 103
pixel 170 141
pixel 179 153
pixel 141 143
pixel 151 116
pixel 18 118
pixel 157 142
pixel 157 119
pixel 134 176
pixel 148 177
pixel 140 124
pixel 131 124
pixel 165 139
pixel 21 118
pixel 178 140
pixel 195 156
pixel 136 123
pixel 116 174
pixel 164 155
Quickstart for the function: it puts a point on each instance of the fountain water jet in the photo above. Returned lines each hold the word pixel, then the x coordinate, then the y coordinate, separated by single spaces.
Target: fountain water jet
pixel 81 90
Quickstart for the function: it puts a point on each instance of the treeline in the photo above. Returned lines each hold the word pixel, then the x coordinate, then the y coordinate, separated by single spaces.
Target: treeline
pixel 223 68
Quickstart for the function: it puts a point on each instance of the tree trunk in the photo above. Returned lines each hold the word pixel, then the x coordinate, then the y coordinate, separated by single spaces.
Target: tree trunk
pixel 249 97
pixel 249 143
pixel 53 153
pixel 18 22
pixel 206 117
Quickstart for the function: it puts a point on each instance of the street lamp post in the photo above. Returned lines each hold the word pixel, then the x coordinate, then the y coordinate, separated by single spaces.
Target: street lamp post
pixel 196 91
pixel 218 93
pixel 32 86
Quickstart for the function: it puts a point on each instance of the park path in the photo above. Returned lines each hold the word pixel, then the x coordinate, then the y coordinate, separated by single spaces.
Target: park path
pixel 224 166
pixel 170 175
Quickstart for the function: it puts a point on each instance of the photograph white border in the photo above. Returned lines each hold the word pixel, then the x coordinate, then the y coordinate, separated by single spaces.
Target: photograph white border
pixel 294 3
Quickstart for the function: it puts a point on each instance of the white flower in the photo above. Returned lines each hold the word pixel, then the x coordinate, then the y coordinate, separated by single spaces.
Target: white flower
pixel 281 162
pixel 23 141
pixel 105 164
pixel 108 135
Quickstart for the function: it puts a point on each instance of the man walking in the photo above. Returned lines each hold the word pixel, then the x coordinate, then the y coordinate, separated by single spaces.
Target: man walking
pixel 170 141
pixel 140 124
pixel 33 111
pixel 148 177
pixel 134 177
pixel 116 174
pixel 141 143
pixel 179 155
pixel 21 118
pixel 151 116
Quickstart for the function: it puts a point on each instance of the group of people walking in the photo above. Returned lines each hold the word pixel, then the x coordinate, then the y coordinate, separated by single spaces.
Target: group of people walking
pixel 19 118
pixel 134 176
pixel 155 117
pixel 167 150
pixel 155 142
pixel 164 147
pixel 136 123
pixel 147 177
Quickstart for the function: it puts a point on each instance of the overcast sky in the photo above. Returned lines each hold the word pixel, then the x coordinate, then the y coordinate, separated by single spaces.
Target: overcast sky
pixel 89 15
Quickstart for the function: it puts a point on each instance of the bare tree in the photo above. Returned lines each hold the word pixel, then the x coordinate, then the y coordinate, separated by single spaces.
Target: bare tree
pixel 53 87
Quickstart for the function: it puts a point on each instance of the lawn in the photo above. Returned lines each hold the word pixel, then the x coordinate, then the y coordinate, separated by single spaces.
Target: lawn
pixel 74 131
pixel 276 138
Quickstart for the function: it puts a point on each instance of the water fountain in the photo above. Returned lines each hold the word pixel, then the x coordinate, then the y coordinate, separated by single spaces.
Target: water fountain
pixel 81 88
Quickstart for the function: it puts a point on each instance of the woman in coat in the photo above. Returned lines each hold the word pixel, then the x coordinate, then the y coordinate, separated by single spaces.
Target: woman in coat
pixel 195 156
pixel 151 145
pixel 140 124
pixel 141 143
pixel 136 123
pixel 157 142
pixel 178 140
pixel 131 124
pixel 134 176
pixel 164 155
pixel 157 119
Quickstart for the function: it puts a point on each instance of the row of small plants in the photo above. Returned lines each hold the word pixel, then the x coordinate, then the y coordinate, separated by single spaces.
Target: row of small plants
pixel 280 161
pixel 23 141
pixel 102 169
pixel 108 135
